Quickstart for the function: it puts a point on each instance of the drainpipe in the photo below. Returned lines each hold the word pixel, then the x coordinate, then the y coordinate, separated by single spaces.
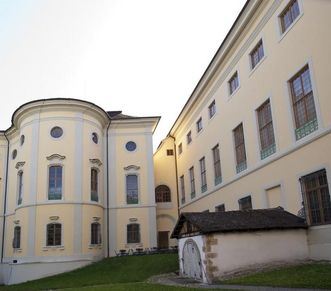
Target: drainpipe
pixel 176 173
pixel 107 170
pixel 5 202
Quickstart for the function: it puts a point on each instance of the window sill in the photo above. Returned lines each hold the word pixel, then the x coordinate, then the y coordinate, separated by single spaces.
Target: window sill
pixel 233 93
pixel 256 66
pixel 134 245
pixel 17 250
pixel 284 33
pixel 96 246
pixel 46 248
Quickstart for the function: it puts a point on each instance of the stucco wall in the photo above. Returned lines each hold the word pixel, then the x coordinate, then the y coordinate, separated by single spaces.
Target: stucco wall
pixel 319 242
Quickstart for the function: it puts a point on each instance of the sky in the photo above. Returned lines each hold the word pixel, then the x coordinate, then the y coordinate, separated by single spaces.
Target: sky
pixel 143 57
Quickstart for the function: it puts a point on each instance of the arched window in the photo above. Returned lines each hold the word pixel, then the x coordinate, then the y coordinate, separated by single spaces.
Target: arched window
pixel 131 189
pixel 94 185
pixel 95 233
pixel 162 194
pixel 54 234
pixel 133 233
pixel 19 187
pixel 55 183
pixel 17 237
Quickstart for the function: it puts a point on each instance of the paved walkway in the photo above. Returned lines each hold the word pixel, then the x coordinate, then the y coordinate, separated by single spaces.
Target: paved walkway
pixel 174 280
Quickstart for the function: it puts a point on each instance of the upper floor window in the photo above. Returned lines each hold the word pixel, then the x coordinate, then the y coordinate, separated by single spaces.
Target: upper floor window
pixel 212 109
pixel 14 154
pixel 203 175
pixel 55 183
pixel 257 54
pixel 199 124
pixel 22 139
pixel 180 148
pixel 290 13
pixel 56 132
pixel 266 130
pixel 131 146
pixel 95 233
pixel 245 203
pixel 192 182
pixel 170 152
pixel 20 187
pixel 303 103
pixel 17 237
pixel 220 208
pixel 189 137
pixel 316 197
pixel 182 188
pixel 217 164
pixel 133 233
pixel 239 144
pixel 162 194
pixel 95 137
pixel 94 185
pixel 54 234
pixel 132 189
pixel 234 83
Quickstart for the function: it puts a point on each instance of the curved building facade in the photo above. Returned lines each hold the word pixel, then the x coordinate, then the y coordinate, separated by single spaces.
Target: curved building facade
pixel 76 184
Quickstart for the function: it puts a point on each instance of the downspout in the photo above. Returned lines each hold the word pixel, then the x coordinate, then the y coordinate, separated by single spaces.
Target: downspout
pixel 176 173
pixel 5 202
pixel 107 170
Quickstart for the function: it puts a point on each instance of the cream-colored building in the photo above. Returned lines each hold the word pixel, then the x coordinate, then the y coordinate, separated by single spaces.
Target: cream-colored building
pixel 256 131
pixel 77 185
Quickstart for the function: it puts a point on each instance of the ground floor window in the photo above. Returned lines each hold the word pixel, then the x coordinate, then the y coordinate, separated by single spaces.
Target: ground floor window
pixel 54 233
pixel 133 233
pixel 17 237
pixel 95 233
pixel 316 197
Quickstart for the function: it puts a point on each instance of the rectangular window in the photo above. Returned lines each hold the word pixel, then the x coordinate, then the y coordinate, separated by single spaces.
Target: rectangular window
pixel 303 103
pixel 239 144
pixel 55 183
pixel 189 137
pixel 220 208
pixel 20 187
pixel 94 185
pixel 54 234
pixel 133 233
pixel 17 237
pixel 95 233
pixel 257 54
pixel 217 165
pixel 245 203
pixel 266 130
pixel 203 175
pixel 212 109
pixel 199 124
pixel 234 83
pixel 182 188
pixel 316 197
pixel 192 182
pixel 180 148
pixel 170 152
pixel 290 13
pixel 132 189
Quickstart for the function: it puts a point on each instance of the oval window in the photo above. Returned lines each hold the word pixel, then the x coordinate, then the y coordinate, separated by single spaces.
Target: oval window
pixel 56 132
pixel 95 137
pixel 131 146
pixel 22 139
pixel 14 154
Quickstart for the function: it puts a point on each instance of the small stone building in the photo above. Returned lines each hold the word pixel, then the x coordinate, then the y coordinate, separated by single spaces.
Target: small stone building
pixel 212 244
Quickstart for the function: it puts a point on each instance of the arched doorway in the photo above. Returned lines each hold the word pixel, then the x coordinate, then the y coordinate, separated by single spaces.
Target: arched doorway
pixel 192 266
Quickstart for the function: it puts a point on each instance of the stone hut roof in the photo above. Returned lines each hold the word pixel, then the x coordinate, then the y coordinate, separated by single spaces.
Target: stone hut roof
pixel 196 223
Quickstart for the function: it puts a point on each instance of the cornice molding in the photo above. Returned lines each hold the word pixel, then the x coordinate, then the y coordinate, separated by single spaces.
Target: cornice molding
pixel 131 167
pixel 96 162
pixel 19 165
pixel 55 156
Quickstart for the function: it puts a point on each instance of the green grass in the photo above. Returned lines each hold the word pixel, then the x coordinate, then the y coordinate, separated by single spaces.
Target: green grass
pixel 313 275
pixel 116 270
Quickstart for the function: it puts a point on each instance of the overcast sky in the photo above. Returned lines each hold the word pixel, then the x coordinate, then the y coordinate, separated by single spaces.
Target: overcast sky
pixel 143 57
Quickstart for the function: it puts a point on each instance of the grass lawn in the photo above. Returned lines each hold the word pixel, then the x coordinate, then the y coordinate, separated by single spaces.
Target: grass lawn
pixel 119 273
pixel 312 275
